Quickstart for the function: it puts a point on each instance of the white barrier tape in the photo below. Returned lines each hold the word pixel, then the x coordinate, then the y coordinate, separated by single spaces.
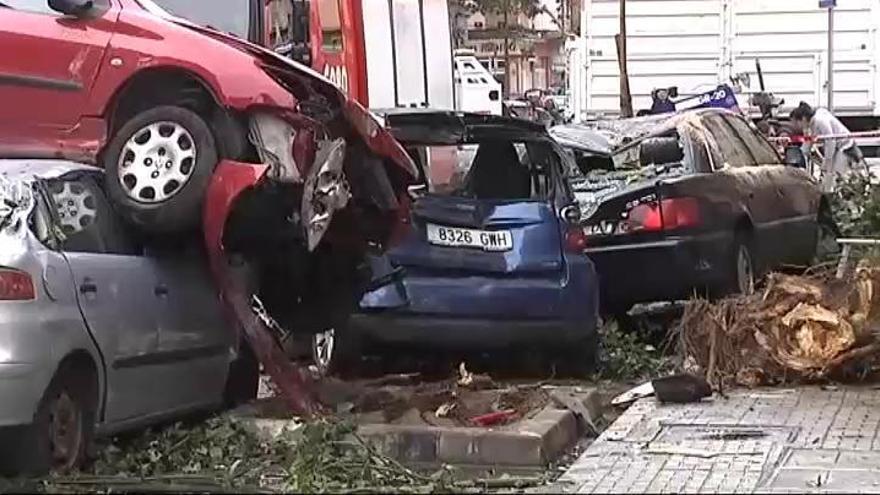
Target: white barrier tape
pixel 809 139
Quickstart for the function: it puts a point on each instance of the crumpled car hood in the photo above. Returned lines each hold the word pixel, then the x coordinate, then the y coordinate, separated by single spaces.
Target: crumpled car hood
pixel 318 87
pixel 606 136
pixel 582 138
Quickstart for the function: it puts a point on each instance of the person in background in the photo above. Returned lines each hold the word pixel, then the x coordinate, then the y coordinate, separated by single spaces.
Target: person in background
pixel 840 155
pixel 661 103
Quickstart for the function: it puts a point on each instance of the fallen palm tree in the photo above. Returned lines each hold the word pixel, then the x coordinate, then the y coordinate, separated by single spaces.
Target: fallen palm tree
pixel 798 329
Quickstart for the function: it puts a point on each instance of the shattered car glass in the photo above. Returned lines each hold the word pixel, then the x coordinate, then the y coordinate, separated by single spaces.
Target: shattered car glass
pixel 610 164
pixel 15 197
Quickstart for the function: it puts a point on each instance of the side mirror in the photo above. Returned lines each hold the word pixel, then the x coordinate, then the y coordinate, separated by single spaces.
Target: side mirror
pixel 416 191
pixel 571 214
pixel 75 8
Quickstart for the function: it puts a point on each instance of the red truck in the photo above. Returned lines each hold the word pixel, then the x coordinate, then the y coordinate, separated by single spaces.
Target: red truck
pixel 384 54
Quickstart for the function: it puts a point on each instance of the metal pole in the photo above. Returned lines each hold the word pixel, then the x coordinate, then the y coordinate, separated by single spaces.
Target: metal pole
pixel 831 58
pixel 626 109
pixel 506 88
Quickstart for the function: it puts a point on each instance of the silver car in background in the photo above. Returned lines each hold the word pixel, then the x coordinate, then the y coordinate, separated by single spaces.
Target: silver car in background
pixel 99 330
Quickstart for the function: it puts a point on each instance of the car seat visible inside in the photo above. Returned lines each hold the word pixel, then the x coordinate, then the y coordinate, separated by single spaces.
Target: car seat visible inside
pixel 497 173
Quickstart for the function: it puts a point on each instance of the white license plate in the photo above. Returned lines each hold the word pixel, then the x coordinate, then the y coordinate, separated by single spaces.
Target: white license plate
pixel 487 240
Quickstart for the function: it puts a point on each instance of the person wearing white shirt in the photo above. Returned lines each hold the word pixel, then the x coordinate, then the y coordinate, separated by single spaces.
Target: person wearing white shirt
pixel 841 154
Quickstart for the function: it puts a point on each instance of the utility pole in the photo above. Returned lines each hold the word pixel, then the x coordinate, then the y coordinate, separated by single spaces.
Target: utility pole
pixel 506 49
pixel 626 109
pixel 830 4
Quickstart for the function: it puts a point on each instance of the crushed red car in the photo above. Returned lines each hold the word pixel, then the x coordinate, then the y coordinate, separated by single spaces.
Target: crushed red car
pixel 197 128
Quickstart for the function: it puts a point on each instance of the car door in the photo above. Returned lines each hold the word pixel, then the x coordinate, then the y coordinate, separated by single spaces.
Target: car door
pixel 48 64
pixel 752 184
pixel 114 284
pixel 795 191
pixel 196 341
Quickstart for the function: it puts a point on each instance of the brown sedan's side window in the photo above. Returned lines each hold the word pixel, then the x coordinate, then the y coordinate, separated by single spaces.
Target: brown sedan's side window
pixel 731 149
pixel 759 147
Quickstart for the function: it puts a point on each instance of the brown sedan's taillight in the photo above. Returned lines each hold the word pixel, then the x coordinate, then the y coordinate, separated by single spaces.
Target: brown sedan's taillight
pixel 575 240
pixel 16 286
pixel 668 214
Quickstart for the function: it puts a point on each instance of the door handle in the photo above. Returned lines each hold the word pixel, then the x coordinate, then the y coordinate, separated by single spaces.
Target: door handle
pixel 780 192
pixel 88 287
pixel 160 290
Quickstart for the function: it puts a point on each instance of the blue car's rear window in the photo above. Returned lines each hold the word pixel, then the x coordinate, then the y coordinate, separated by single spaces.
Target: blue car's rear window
pixel 513 170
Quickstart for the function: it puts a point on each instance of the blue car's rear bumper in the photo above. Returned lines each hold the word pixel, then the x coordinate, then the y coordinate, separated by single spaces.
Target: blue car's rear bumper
pixel 482 311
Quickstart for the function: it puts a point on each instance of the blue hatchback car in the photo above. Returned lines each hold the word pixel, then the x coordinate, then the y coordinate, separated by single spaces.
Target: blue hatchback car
pixel 494 256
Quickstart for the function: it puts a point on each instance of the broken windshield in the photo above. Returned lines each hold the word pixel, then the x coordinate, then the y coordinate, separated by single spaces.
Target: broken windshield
pixel 496 170
pixel 15 197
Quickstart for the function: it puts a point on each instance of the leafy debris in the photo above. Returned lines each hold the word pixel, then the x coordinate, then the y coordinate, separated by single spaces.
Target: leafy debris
pixel 225 454
pixel 628 355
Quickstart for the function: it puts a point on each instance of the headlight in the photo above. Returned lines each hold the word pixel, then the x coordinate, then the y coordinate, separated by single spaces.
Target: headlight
pixel 273 138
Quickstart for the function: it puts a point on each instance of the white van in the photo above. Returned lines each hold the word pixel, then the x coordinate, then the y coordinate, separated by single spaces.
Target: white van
pixel 476 90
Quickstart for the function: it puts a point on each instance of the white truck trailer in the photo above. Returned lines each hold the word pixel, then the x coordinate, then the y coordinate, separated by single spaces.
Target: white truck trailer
pixel 696 44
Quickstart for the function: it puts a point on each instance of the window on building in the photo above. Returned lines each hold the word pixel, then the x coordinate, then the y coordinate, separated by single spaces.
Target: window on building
pixel 331 25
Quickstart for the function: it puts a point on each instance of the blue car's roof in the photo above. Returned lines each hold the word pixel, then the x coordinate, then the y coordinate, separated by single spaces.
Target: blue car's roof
pixel 442 127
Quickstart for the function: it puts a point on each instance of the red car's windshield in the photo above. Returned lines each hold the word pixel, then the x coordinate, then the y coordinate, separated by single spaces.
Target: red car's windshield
pixel 229 16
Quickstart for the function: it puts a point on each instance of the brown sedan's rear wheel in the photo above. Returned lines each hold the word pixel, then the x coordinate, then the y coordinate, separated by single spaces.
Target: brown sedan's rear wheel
pixel 741 273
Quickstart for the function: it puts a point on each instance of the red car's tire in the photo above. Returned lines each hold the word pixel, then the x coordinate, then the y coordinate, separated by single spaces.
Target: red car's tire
pixel 158 166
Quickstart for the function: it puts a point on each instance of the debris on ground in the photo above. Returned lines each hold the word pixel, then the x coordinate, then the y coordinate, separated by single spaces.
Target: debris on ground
pixel 224 454
pixel 681 388
pixel 798 329
pixel 494 418
pixel 628 354
pixel 566 398
pixel 634 394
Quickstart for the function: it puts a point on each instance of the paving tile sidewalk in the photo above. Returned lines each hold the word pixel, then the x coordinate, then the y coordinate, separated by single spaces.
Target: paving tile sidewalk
pixel 768 440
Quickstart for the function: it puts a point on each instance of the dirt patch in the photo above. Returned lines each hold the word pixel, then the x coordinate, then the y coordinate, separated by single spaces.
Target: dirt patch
pixel 442 404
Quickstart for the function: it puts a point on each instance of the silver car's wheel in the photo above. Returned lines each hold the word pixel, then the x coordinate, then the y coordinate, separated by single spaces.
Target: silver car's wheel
pixel 156 162
pixel 65 432
pixel 323 349
pixel 63 426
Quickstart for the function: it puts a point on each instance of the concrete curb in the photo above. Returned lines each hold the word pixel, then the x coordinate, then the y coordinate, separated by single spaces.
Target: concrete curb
pixel 532 442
